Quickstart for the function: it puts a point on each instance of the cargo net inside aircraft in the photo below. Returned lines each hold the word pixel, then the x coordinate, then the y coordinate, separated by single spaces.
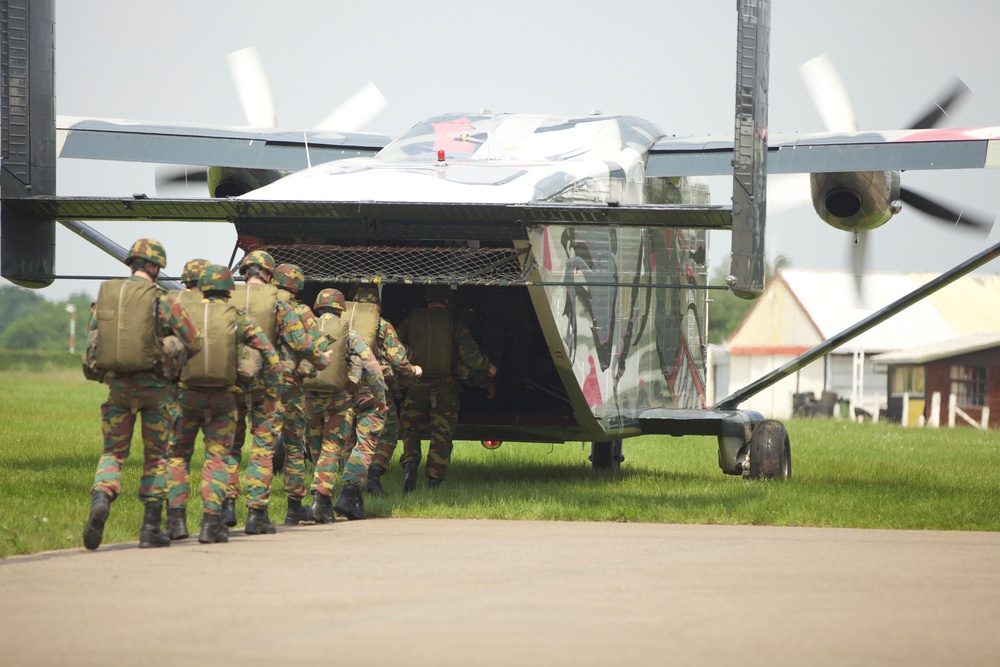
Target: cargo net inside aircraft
pixel 389 264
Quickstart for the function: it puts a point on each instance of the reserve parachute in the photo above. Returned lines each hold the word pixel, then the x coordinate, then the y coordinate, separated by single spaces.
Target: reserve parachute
pixel 126 326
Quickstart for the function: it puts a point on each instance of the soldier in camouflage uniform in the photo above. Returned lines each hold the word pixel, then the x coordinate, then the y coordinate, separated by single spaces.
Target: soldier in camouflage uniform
pixel 142 393
pixel 331 414
pixel 391 355
pixel 432 400
pixel 213 410
pixel 258 268
pixel 291 279
pixel 370 408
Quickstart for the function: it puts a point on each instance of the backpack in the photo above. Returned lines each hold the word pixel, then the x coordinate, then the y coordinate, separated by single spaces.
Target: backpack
pixel 126 326
pixel 333 378
pixel 431 335
pixel 261 303
pixel 216 363
pixel 363 318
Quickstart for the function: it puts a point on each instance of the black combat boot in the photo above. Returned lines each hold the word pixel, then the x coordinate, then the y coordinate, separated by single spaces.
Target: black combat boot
pixel 100 507
pixel 322 508
pixel 374 483
pixel 150 535
pixel 258 523
pixel 410 476
pixel 349 503
pixel 434 482
pixel 212 530
pixel 297 514
pixel 177 523
pixel 228 516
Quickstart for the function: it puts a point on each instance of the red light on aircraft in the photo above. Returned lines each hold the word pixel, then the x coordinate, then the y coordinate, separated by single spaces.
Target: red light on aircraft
pixel 441 155
pixel 492 444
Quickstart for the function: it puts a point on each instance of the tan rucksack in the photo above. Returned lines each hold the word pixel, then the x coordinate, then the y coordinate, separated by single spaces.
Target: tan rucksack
pixel 127 326
pixel 261 303
pixel 215 365
pixel 431 332
pixel 363 318
pixel 334 377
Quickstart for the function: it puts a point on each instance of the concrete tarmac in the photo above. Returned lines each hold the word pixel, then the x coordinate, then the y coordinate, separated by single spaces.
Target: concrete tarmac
pixel 416 592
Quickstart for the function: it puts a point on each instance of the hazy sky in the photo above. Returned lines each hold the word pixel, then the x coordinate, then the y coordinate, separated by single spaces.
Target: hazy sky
pixel 670 62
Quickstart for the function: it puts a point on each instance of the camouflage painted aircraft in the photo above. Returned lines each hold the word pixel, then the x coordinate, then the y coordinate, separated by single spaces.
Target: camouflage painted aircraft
pixel 575 244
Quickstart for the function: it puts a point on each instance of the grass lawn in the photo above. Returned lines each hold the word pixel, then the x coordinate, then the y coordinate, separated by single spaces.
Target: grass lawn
pixel 844 474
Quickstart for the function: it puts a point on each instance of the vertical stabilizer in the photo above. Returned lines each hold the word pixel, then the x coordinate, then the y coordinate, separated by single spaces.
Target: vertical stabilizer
pixel 28 118
pixel 746 277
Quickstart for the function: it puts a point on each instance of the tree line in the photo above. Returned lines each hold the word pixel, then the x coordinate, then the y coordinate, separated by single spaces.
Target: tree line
pixel 29 321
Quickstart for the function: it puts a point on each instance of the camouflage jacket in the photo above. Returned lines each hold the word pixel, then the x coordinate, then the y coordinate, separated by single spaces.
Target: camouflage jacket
pixel 364 370
pixel 392 352
pixel 294 340
pixel 172 320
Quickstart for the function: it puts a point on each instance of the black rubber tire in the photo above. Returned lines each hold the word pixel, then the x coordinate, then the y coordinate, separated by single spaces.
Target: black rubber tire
pixel 770 451
pixel 606 455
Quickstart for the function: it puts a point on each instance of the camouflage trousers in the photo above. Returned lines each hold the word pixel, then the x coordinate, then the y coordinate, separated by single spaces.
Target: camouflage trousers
pixel 131 395
pixel 330 419
pixel 432 401
pixel 214 412
pixel 369 419
pixel 293 432
pixel 263 430
pixel 387 439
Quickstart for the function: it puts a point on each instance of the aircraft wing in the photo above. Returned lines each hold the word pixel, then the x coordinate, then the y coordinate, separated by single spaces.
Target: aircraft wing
pixel 897 150
pixel 370 220
pixel 249 148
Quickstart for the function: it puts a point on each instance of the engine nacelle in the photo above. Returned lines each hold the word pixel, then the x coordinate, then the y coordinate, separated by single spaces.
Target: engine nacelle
pixel 856 201
pixel 234 181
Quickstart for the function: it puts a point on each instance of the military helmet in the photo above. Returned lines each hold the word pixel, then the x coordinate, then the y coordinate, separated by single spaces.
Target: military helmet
pixel 258 258
pixel 289 277
pixel 216 278
pixel 193 270
pixel 367 293
pixel 149 250
pixel 439 293
pixel 331 298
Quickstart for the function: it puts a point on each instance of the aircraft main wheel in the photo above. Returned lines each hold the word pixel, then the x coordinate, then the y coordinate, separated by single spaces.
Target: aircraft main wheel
pixel 770 451
pixel 278 461
pixel 606 455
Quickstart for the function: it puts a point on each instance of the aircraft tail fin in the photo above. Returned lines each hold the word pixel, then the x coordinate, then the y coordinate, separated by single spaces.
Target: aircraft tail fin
pixel 27 112
pixel 746 277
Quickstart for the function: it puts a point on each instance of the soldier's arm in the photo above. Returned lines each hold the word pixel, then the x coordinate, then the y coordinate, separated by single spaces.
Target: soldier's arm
pixel 293 333
pixel 395 351
pixel 254 336
pixel 174 320
pixel 469 352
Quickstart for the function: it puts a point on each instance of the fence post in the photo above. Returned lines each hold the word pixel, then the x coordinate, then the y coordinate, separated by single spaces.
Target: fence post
pixel 906 410
pixel 935 420
pixel 952 400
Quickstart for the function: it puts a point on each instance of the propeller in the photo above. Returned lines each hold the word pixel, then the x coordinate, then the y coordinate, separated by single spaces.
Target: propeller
pixel 829 94
pixel 254 91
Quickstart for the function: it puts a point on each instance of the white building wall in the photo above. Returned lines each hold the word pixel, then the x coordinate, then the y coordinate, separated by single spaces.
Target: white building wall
pixel 775 402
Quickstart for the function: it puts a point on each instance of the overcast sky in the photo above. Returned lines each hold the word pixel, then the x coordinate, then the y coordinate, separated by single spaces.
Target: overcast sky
pixel 668 61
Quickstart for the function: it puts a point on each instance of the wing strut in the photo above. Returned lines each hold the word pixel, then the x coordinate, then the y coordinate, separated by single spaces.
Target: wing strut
pixel 746 270
pixel 90 234
pixel 731 402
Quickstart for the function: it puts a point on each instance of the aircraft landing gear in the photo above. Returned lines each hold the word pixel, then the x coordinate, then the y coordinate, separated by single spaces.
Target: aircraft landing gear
pixel 606 455
pixel 770 451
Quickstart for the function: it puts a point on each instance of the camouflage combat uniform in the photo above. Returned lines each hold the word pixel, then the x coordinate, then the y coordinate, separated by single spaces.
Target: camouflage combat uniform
pixel 434 401
pixel 214 411
pixel 143 393
pixel 291 332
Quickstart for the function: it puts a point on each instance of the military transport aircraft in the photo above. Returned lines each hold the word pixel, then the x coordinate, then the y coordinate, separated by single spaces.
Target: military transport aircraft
pixel 575 244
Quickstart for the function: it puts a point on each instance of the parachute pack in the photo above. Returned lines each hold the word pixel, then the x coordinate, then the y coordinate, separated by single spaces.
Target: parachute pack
pixel 126 326
pixel 261 303
pixel 333 378
pixel 363 318
pixel 431 334
pixel 215 365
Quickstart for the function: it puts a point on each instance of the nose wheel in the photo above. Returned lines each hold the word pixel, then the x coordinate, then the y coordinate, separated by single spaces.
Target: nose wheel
pixel 606 455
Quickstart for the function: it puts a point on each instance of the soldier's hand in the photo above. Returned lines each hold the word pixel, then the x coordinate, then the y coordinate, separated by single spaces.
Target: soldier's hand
pixel 326 358
pixel 492 370
pixel 417 371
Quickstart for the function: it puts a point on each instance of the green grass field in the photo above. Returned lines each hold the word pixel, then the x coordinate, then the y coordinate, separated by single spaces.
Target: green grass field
pixel 845 474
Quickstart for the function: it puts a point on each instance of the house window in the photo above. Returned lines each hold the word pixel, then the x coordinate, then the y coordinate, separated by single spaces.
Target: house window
pixel 907 380
pixel 968 383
